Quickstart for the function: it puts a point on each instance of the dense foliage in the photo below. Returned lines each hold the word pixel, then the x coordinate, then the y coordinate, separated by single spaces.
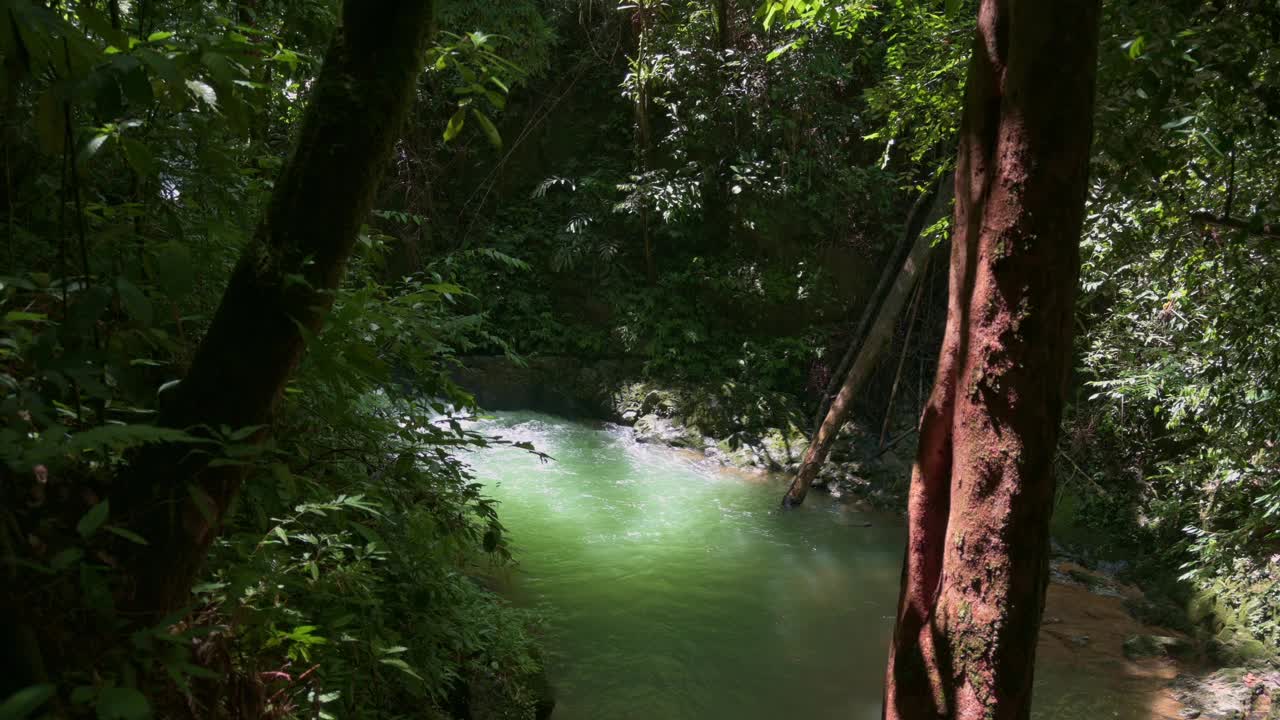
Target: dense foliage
pixel 704 190
pixel 140 145
pixel 1179 352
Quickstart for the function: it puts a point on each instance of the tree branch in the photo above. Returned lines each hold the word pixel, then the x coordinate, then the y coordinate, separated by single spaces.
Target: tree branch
pixel 1266 230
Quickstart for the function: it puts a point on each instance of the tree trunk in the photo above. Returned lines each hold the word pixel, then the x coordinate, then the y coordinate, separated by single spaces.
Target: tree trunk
pixel 724 8
pixel 982 488
pixel 868 353
pixel 915 224
pixel 280 290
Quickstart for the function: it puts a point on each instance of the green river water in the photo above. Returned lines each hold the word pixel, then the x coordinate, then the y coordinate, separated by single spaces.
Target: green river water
pixel 676 590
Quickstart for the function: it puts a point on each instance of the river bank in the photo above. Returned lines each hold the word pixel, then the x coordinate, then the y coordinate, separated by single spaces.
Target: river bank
pixel 1101 614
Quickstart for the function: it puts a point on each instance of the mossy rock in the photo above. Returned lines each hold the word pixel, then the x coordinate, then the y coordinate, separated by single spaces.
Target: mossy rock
pixel 1143 646
pixel 1233 646
pixel 663 403
pixel 1253 650
pixel 1203 609
pixel 652 428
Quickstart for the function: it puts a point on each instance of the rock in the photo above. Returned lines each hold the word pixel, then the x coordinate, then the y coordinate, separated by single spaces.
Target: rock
pixel 1253 650
pixel 652 429
pixel 650 402
pixel 1113 567
pixel 1079 640
pixel 1227 694
pixel 1142 646
pixel 629 417
pixel 1096 584
pixel 1189 713
pixel 658 402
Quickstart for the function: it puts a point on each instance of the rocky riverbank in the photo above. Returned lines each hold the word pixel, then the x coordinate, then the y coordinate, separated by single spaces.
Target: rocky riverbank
pixel 772 437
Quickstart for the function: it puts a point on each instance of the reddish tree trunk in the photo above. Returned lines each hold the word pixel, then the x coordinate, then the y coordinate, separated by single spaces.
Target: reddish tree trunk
pixel 982 488
pixel 280 290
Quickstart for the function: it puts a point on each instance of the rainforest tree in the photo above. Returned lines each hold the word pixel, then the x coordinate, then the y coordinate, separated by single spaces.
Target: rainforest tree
pixel 280 290
pixel 983 484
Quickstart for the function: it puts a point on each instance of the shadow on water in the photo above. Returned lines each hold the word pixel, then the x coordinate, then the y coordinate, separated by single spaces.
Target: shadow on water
pixel 677 590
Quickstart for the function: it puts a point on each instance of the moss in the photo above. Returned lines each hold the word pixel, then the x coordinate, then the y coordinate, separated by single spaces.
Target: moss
pixel 1253 650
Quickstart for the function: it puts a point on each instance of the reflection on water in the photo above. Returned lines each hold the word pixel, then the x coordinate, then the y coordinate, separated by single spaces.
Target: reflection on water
pixel 679 591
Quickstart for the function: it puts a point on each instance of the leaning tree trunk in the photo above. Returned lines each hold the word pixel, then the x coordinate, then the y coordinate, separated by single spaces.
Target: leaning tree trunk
pixel 915 224
pixel 280 290
pixel 868 354
pixel 982 489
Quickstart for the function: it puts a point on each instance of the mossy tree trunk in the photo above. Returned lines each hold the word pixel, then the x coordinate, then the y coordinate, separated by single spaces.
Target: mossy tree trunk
pixel 982 488
pixel 280 290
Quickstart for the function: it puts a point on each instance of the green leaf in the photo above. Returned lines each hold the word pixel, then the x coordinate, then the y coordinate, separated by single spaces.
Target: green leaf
pixel 1178 123
pixel 455 124
pixel 135 302
pixel 400 665
pixel 98 23
pixel 66 559
pixel 158 36
pixel 118 437
pixel 138 156
pixel 129 535
pixel 121 703
pixel 241 434
pixel 164 68
pixel 779 51
pixel 490 131
pixel 137 86
pixel 25 702
pixel 1136 46
pixel 93 519
pixel 774 9
pixel 203 91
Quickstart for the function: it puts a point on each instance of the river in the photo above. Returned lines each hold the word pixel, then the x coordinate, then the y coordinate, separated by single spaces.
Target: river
pixel 678 591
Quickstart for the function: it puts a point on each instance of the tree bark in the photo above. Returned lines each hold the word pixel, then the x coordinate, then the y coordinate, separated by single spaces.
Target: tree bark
pixel 976 565
pixel 868 354
pixel 279 292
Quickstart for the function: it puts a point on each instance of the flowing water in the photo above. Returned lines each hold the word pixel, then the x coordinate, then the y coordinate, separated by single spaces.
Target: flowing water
pixel 676 590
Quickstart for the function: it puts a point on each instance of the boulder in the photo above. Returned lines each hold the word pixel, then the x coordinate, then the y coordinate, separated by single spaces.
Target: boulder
pixel 664 431
pixel 1142 646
